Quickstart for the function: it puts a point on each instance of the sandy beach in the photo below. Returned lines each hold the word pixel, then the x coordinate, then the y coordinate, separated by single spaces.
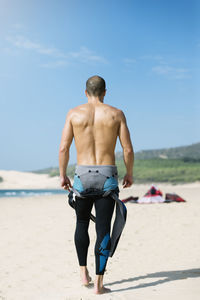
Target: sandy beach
pixel 157 256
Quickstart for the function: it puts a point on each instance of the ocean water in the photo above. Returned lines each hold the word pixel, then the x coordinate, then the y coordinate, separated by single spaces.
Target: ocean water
pixel 29 192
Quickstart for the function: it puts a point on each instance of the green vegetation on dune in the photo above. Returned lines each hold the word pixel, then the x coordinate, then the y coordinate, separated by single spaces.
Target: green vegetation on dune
pixel 169 170
pixel 47 171
pixel 1 179
pixel 161 170
pixel 70 171
pixel 54 171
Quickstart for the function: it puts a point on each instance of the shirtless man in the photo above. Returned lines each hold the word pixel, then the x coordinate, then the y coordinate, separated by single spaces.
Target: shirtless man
pixel 95 127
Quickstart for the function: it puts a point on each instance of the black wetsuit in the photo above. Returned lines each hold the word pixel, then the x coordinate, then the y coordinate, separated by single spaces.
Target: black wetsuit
pixel 97 185
pixel 104 208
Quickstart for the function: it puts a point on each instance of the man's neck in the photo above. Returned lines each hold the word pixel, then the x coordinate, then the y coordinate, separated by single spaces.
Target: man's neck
pixel 95 100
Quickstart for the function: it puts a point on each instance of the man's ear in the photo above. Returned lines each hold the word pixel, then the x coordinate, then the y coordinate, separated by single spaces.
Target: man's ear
pixel 103 94
pixel 86 93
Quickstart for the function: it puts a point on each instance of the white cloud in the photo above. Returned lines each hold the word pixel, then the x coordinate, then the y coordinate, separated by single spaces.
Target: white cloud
pixel 55 64
pixel 17 26
pixel 129 61
pixel 171 72
pixel 152 57
pixel 24 43
pixel 9 51
pixel 162 69
pixel 83 55
pixel 86 55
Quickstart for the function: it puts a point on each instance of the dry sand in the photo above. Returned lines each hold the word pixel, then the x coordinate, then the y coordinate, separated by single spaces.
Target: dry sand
pixel 158 256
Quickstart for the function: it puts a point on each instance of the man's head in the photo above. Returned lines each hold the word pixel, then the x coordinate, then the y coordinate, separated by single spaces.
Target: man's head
pixel 96 86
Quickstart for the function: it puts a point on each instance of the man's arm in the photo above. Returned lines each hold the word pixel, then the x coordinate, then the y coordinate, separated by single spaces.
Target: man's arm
pixel 66 140
pixel 125 140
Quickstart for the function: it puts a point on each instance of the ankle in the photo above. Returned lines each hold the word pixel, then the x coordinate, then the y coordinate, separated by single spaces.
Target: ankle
pixel 99 280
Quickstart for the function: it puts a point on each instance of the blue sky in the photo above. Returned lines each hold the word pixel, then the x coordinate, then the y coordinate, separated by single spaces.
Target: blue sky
pixel 147 51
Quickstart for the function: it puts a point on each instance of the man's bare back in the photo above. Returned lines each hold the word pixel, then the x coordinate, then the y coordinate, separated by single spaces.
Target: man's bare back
pixel 95 127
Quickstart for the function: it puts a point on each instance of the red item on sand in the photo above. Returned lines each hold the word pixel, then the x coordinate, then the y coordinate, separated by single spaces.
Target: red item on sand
pixel 173 197
pixel 130 198
pixel 153 195
pixel 153 192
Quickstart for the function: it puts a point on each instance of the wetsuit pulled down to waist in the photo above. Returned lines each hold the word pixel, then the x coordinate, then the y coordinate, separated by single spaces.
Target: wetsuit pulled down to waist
pixel 93 180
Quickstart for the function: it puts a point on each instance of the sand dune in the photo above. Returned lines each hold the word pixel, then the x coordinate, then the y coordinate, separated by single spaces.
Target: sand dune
pixel 27 180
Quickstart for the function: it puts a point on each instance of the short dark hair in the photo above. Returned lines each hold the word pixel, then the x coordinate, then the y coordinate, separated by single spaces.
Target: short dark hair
pixel 95 86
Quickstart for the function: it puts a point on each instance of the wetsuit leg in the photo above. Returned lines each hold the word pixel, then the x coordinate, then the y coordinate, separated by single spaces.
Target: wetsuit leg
pixel 83 209
pixel 104 210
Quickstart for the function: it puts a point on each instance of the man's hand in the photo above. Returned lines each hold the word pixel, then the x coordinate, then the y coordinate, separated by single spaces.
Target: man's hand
pixel 65 183
pixel 127 181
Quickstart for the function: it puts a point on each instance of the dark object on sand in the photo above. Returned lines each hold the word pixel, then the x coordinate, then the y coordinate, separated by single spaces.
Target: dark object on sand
pixel 131 198
pixel 173 198
pixel 154 195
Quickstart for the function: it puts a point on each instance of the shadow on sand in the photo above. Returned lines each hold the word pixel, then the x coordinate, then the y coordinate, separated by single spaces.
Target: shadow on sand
pixel 168 276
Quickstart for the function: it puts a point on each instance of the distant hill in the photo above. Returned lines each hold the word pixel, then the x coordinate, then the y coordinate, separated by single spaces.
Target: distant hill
pixel 191 152
pixel 49 170
pixel 176 165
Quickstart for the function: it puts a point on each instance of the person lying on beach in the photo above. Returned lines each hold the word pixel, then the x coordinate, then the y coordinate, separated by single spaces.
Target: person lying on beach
pixel 95 127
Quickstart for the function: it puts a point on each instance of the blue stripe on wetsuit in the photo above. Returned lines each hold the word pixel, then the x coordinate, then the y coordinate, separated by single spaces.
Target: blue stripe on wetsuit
pixel 103 252
pixel 110 184
pixel 78 184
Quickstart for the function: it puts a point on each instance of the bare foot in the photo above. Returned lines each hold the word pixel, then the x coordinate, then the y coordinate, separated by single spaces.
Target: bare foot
pixel 99 287
pixel 85 278
pixel 101 290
